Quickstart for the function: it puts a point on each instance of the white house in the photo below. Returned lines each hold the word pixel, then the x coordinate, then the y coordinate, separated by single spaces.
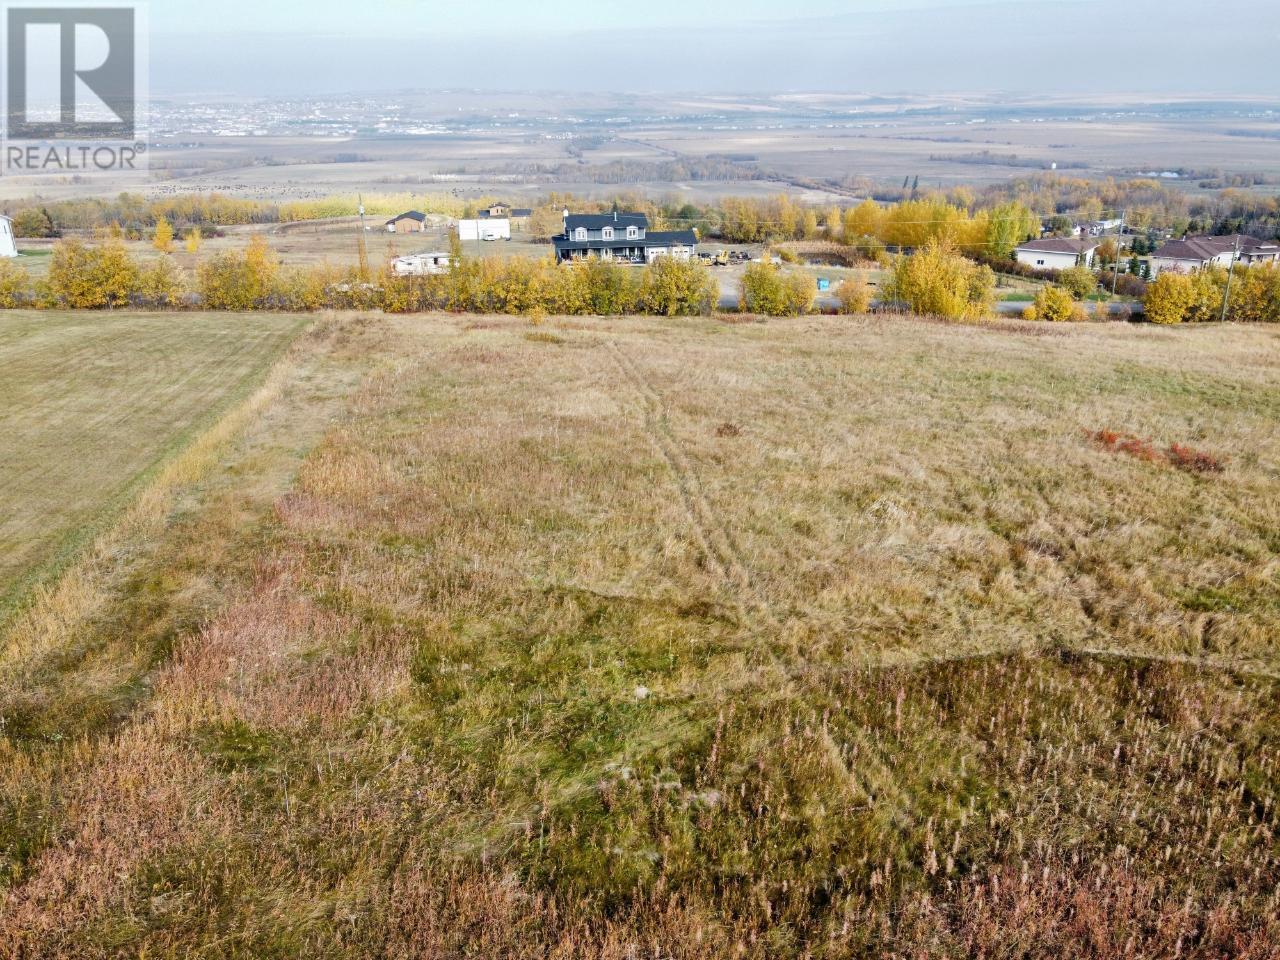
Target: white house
pixel 1056 253
pixel 495 228
pixel 1199 253
pixel 421 264
pixel 8 246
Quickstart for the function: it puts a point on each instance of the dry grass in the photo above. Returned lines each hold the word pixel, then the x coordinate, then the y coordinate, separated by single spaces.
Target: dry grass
pixel 536 658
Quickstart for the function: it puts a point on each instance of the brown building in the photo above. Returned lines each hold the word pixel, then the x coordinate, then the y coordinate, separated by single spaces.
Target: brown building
pixel 411 222
pixel 501 211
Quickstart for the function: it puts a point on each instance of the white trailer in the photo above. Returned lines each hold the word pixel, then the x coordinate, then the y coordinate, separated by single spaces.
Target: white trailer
pixel 487 229
pixel 421 265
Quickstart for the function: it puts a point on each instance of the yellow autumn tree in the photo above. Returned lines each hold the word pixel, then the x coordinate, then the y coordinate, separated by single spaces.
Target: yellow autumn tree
pixel 163 239
pixel 1056 305
pixel 854 295
pixel 1009 225
pixel 866 220
pixel 194 239
pixel 1209 288
pixel 673 288
pixel 160 282
pixel 937 281
pixel 237 280
pixel 261 265
pixel 1170 298
pixel 83 277
pixel 809 226
pixel 1256 296
pixel 767 290
pixel 14 285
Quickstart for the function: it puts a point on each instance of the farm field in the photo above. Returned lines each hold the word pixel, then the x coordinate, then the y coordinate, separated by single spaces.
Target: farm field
pixel 815 638
pixel 91 404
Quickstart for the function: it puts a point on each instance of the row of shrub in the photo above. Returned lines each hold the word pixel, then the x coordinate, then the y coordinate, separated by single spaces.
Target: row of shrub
pixel 936 281
pixel 1253 297
pixel 105 276
pixel 1199 297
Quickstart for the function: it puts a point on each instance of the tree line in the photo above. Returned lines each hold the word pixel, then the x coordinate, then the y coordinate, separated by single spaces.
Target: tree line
pixel 104 275
pixel 938 280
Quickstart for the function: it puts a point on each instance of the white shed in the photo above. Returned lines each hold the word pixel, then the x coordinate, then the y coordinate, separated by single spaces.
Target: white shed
pixel 486 229
pixel 8 246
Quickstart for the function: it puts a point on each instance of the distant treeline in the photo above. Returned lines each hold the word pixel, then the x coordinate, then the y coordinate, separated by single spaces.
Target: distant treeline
pixel 136 216
pixel 902 217
pixel 987 158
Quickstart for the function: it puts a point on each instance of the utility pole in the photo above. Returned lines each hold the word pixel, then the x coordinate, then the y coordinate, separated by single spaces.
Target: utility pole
pixel 1226 297
pixel 363 248
pixel 1115 267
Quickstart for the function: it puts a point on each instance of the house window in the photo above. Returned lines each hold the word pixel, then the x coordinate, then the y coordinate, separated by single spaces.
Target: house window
pixel 580 233
pixel 1039 263
pixel 608 233
pixel 632 233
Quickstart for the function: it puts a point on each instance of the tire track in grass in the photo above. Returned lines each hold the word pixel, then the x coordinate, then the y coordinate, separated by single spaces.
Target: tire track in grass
pixel 717 544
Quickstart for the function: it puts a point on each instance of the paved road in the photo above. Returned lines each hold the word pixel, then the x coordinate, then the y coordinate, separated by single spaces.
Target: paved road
pixel 729 297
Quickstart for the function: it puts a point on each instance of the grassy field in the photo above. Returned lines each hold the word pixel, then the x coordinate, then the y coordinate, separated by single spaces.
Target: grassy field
pixel 822 638
pixel 91 404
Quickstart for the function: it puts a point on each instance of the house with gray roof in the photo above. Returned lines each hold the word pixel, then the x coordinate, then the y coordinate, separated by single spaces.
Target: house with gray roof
pixel 620 236
pixel 1058 253
pixel 1199 253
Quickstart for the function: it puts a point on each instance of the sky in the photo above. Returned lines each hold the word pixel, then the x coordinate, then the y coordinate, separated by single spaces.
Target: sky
pixel 1050 47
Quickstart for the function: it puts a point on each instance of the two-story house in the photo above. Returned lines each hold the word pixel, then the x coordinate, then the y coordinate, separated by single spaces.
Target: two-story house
pixel 620 236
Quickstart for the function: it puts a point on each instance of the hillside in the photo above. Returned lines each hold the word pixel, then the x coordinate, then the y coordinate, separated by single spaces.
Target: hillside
pixel 816 638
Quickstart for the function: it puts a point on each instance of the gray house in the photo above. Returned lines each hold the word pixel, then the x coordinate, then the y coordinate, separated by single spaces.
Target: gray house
pixel 620 236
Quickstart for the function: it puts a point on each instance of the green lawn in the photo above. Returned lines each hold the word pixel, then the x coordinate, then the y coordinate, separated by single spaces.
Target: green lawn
pixel 91 404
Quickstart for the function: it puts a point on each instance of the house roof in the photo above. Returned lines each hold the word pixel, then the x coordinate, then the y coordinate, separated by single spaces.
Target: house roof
pixel 1062 245
pixel 411 215
pixel 671 237
pixel 598 221
pixel 1204 249
pixel 515 213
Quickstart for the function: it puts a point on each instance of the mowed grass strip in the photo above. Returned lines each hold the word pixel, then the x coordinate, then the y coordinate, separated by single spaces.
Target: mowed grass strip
pixel 91 404
pixel 683 639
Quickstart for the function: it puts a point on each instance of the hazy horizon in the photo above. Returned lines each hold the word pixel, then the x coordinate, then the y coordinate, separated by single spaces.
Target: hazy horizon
pixel 1055 48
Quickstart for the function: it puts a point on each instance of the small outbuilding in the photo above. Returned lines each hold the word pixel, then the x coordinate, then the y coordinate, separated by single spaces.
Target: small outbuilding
pixel 502 211
pixel 411 222
pixel 8 245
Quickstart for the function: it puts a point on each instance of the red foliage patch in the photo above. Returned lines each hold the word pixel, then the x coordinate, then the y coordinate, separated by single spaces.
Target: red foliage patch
pixel 1179 456
pixel 1196 461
